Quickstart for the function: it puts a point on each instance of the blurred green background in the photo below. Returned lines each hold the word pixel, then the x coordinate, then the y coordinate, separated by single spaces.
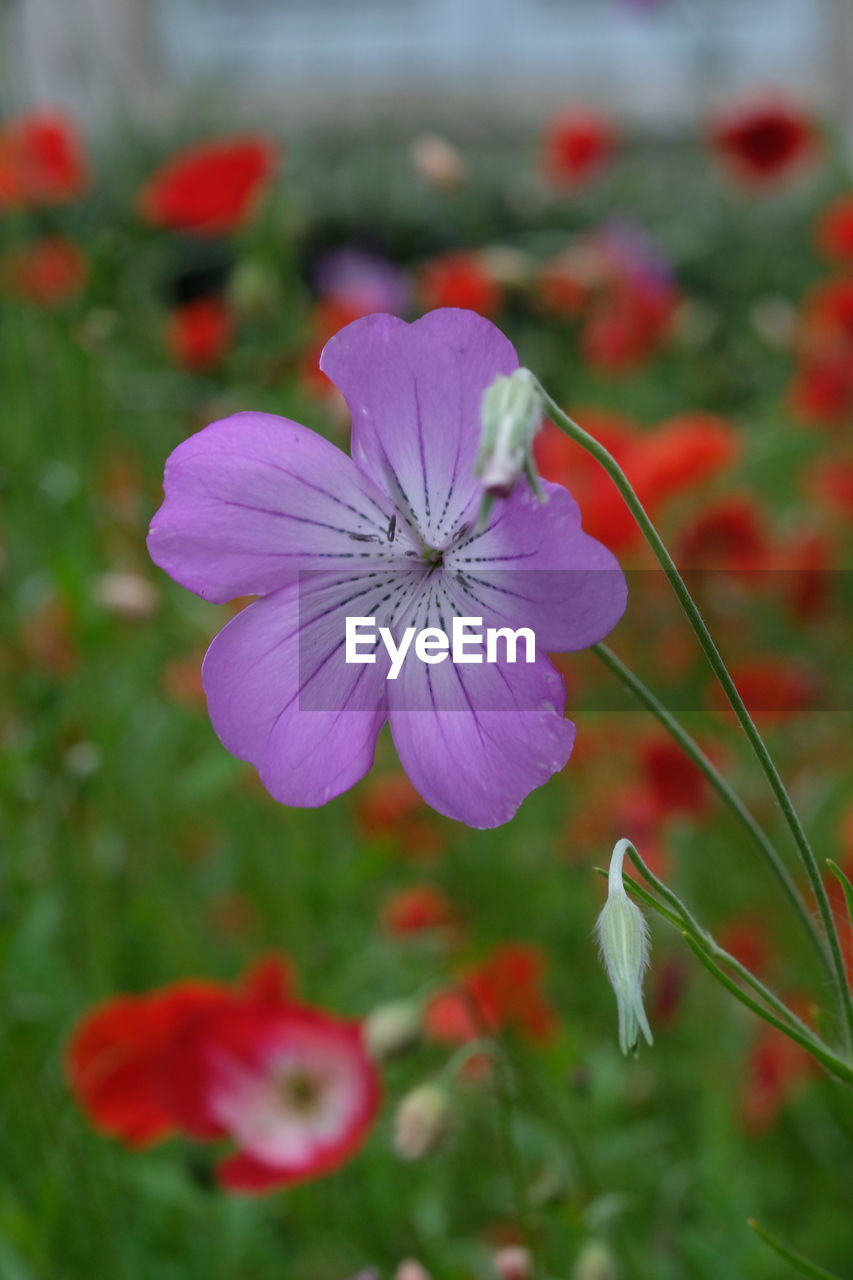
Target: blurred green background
pixel 136 851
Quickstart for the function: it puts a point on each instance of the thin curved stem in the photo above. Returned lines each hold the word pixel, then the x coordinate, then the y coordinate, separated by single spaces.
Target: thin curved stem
pixel 727 794
pixel 713 947
pixel 836 1065
pixel 708 951
pixel 836 965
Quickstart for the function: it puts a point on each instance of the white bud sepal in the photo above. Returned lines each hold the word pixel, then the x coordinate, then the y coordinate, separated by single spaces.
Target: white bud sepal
pixel 623 940
pixel 511 416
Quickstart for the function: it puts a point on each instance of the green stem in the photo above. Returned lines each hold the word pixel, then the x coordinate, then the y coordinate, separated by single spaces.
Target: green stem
pixel 836 966
pixel 688 744
pixel 518 1180
pixel 710 944
pixel 708 949
pixel 796 1260
pixel 505 1111
pixel 832 1063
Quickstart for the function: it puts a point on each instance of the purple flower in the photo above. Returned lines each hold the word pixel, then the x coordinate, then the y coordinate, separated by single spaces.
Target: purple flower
pixel 362 282
pixel 260 505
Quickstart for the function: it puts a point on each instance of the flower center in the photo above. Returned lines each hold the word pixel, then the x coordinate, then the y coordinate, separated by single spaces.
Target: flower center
pixel 432 555
pixel 299 1091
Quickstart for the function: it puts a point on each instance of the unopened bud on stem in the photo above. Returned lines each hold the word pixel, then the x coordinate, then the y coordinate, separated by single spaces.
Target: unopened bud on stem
pixel 623 939
pixel 511 417
pixel 392 1029
pixel 422 1121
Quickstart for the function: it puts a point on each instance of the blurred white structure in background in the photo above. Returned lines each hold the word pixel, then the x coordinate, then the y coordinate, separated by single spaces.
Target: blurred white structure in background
pixel 105 59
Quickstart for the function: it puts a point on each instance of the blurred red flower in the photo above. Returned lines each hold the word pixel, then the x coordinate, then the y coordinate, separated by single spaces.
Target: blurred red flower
pixel 42 161
pixel 387 805
pixel 48 272
pixel 764 140
pixel 772 686
pixel 831 482
pixel 827 318
pixel 728 534
pixel 673 780
pixel 682 452
pixel 418 909
pixel 291 1085
pixel 823 388
pixel 326 319
pixel 775 1069
pixel 211 188
pixel 745 938
pixel 200 333
pixel 562 288
pixel 576 145
pixel 834 229
pixel 458 280
pixel 116 1055
pixel 626 324
pixel 504 991
pixel 672 459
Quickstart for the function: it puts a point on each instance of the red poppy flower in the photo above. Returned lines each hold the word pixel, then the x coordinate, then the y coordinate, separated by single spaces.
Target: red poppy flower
pixel 209 189
pixel 745 938
pixel 626 325
pixel 730 534
pixel 118 1052
pixel 687 450
pixel 503 992
pixel 576 145
pixel 293 1087
pixel 327 318
pixel 806 560
pixel 387 805
pixel 764 141
pixel 418 909
pixel 684 452
pixel 822 391
pixel 831 482
pixel 834 230
pixel 200 334
pixel 605 515
pixel 827 322
pixel 773 686
pixel 675 783
pixel 776 1069
pixel 560 290
pixel 42 161
pixel 48 272
pixel 459 280
pixel 115 1059
pixel 667 982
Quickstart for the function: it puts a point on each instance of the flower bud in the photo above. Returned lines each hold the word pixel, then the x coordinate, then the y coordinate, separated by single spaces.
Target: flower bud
pixel 512 1262
pixel 623 939
pixel 422 1121
pixel 511 416
pixel 594 1262
pixel 391 1029
pixel 411 1269
pixel 438 162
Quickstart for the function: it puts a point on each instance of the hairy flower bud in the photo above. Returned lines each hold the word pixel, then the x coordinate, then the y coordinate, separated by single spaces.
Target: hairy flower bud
pixel 511 416
pixel 623 939
pixel 391 1029
pixel 422 1121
